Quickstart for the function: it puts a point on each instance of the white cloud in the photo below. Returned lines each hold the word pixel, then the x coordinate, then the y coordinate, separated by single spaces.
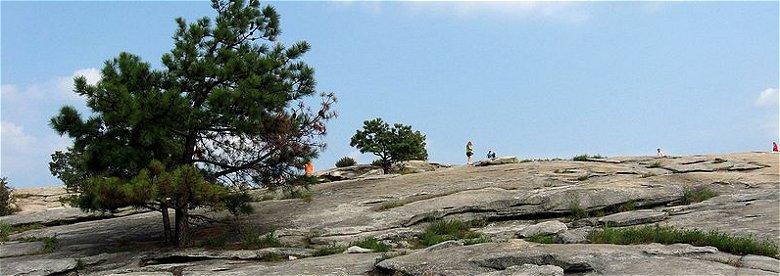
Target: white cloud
pixel 13 137
pixel 568 12
pixel 768 97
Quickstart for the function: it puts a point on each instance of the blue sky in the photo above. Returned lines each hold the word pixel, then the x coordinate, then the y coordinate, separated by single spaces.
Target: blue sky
pixel 530 79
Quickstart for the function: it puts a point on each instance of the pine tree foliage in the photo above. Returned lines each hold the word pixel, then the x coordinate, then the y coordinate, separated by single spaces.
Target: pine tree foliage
pixel 390 144
pixel 231 109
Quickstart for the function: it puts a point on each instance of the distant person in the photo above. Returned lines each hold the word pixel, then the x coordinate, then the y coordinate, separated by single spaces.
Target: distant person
pixel 774 146
pixel 309 168
pixel 491 155
pixel 469 152
pixel 661 153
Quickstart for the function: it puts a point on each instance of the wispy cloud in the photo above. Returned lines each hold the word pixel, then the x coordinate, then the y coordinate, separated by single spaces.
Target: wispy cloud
pixel 768 97
pixel 567 12
pixel 27 139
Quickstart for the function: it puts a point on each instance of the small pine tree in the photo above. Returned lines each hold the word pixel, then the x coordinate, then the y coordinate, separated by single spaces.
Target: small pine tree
pixel 392 145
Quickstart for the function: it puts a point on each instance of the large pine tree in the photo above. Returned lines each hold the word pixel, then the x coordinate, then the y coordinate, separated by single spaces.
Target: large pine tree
pixel 228 111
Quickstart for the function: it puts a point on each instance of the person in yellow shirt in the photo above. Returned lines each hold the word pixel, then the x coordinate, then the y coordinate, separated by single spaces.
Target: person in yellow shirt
pixel 469 152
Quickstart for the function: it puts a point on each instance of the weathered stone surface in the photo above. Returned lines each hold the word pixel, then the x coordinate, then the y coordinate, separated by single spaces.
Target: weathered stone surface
pixel 508 197
pixel 418 166
pixel 572 258
pixel 527 270
pixel 41 266
pixel 498 161
pixel 30 200
pixel 633 218
pixel 258 254
pixel 760 262
pixel 445 244
pixel 351 172
pixel 61 216
pixel 544 228
pixel 357 249
pixel 338 264
pixel 578 235
pixel 10 249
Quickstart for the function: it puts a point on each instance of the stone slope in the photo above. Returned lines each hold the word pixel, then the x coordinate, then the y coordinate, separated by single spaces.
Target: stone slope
pixel 507 197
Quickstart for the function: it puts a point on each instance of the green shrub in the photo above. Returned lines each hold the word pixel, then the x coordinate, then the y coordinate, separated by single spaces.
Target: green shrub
pixel 585 157
pixel 390 204
pixel 6 198
pixel 583 177
pixel 50 243
pixel 306 195
pixel 378 163
pixel 656 164
pixel 5 231
pixel 330 250
pixel 214 242
pixel 446 230
pixel 668 235
pixel 577 212
pixel 345 162
pixel 697 195
pixel 251 240
pixel 373 244
pixel 477 240
pixel 719 160
pixel 543 238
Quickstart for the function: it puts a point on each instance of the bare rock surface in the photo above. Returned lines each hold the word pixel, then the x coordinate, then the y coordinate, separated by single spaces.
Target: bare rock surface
pixel 497 161
pixel 20 248
pixel 544 228
pixel 572 258
pixel 633 218
pixel 500 200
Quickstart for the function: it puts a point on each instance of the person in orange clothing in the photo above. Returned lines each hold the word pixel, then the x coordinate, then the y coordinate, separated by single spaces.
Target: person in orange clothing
pixel 309 168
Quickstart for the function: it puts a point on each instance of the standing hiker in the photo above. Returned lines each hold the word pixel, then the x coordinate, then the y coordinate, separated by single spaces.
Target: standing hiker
pixel 469 152
pixel 774 146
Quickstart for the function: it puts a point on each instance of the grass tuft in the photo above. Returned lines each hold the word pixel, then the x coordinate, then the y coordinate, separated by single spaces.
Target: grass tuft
pixel 330 250
pixel 585 157
pixel 387 205
pixel 50 243
pixel 542 238
pixel 583 177
pixel 656 164
pixel 577 212
pixel 697 195
pixel 388 255
pixel 647 174
pixel 446 230
pixel 251 240
pixel 373 244
pixel 668 235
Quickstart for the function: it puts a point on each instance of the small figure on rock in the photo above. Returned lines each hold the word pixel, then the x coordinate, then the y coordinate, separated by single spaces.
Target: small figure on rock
pixel 309 168
pixel 491 155
pixel 661 153
pixel 469 152
pixel 774 146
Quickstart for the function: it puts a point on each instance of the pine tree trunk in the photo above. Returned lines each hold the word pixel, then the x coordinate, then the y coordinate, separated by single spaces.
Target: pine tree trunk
pixel 166 223
pixel 182 226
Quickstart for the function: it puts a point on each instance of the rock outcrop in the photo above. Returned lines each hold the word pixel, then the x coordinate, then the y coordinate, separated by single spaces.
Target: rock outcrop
pixel 504 204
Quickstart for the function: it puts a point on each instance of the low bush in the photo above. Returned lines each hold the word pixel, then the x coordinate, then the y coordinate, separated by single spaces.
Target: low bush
pixel 373 244
pixel 251 240
pixel 577 212
pixel 542 238
pixel 585 157
pixel 668 235
pixel 656 164
pixel 446 230
pixel 697 195
pixel 6 198
pixel 329 250
pixel 345 162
